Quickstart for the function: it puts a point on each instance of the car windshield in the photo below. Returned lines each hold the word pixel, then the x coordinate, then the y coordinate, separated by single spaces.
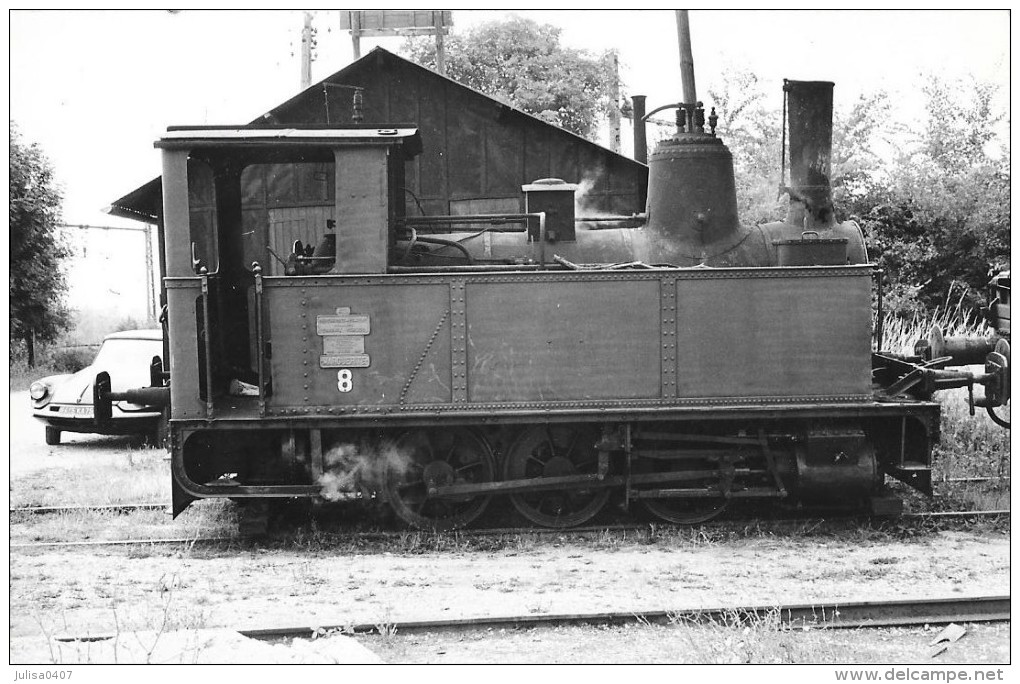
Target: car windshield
pixel 122 358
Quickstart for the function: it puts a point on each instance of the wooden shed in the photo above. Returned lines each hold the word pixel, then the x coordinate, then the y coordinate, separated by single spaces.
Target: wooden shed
pixel 477 151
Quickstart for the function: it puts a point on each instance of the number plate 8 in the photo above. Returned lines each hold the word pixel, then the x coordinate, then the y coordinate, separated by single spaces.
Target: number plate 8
pixel 344 380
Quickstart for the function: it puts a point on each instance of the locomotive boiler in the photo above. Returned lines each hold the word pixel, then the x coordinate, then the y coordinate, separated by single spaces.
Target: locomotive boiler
pixel 677 360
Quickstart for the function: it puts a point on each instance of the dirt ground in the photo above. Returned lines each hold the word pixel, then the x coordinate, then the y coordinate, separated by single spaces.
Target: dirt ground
pixel 108 590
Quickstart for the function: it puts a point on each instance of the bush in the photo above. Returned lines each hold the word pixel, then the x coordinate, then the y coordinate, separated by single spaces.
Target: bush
pixel 71 359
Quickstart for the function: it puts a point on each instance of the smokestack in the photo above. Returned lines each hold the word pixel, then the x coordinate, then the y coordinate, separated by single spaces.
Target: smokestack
pixel 809 114
pixel 640 139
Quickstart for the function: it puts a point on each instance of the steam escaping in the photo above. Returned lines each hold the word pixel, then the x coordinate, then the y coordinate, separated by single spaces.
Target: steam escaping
pixel 586 207
pixel 353 469
pixel 582 205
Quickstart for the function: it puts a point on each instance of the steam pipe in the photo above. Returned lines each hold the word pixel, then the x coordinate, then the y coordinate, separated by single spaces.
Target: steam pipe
pixel 640 134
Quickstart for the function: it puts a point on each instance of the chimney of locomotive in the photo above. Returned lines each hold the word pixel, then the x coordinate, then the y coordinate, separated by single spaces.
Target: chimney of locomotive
pixel 811 235
pixel 809 107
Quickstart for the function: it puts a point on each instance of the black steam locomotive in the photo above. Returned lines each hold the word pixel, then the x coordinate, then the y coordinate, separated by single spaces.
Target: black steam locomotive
pixel 676 359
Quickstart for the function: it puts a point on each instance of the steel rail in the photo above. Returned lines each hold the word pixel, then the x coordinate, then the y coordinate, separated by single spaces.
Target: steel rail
pixel 822 615
pixel 118 508
pixel 649 528
pixel 41 510
pixel 126 542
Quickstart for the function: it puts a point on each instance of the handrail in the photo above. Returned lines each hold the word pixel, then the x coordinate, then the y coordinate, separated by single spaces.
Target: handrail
pixel 204 275
pixel 260 343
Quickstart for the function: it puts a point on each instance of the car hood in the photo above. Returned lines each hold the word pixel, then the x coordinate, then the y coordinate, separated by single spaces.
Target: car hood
pixel 77 388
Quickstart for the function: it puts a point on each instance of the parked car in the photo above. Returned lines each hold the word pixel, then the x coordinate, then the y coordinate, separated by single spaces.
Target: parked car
pixel 64 402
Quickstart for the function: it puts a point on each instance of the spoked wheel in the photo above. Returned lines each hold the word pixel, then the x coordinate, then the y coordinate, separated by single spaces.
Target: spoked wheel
pixel 432 458
pixel 556 451
pixel 685 511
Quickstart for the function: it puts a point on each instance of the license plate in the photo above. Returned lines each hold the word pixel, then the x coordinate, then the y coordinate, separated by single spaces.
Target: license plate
pixel 77 411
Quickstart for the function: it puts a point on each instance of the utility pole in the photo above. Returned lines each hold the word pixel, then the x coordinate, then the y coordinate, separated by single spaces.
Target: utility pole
pixel 614 107
pixel 683 30
pixel 437 21
pixel 150 297
pixel 306 52
pixel 356 33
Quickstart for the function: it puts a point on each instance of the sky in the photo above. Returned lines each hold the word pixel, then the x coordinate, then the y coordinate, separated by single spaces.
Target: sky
pixel 96 88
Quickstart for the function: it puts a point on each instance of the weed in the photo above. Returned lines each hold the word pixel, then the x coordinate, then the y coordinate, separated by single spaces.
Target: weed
pixel 737 637
pixel 386 629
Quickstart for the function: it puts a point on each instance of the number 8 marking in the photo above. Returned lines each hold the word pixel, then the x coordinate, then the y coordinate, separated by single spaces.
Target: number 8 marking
pixel 344 380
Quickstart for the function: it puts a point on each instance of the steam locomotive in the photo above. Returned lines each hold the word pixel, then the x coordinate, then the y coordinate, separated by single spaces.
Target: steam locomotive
pixel 675 360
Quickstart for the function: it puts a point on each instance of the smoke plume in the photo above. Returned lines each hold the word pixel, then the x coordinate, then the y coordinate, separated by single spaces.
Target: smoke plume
pixel 361 468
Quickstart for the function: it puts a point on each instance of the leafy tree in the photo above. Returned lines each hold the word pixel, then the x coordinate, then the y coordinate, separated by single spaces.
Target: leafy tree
pixel 934 205
pixel 753 133
pixel 939 220
pixel 38 249
pixel 753 130
pixel 522 63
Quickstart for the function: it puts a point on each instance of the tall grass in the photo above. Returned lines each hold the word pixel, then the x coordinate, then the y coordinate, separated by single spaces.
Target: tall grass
pixel 899 334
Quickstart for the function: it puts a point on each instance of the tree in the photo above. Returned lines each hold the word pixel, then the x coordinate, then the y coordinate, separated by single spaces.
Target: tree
pixel 522 63
pixel 38 249
pixel 753 133
pixel 934 205
pixel 939 220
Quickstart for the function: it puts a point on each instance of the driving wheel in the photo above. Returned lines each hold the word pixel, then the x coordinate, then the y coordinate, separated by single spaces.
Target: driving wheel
pixel 425 459
pixel 556 451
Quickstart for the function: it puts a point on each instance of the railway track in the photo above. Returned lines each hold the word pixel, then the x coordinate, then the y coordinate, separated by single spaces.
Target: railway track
pixel 812 523
pixel 824 615
pixel 129 507
pixel 112 508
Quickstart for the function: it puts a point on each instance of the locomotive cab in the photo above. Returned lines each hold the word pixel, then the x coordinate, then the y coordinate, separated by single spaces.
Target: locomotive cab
pixel 239 204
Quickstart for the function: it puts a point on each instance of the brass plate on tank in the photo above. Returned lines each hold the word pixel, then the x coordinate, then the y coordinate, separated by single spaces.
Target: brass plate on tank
pixel 344 361
pixel 349 324
pixel 343 344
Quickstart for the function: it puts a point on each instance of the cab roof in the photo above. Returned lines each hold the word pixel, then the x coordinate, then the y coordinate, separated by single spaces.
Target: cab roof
pixel 181 137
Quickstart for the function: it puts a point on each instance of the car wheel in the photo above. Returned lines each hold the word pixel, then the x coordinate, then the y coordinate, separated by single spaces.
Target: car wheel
pixel 52 435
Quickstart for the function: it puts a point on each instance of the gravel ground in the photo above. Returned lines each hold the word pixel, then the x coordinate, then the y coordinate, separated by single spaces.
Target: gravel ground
pixel 108 590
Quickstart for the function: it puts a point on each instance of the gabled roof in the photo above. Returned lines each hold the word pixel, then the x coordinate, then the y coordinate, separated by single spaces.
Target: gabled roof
pixel 143 203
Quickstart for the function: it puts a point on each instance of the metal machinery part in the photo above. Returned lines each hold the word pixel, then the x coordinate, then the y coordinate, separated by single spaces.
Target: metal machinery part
pixel 692 200
pixel 549 451
pixel 991 351
pixel 422 460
